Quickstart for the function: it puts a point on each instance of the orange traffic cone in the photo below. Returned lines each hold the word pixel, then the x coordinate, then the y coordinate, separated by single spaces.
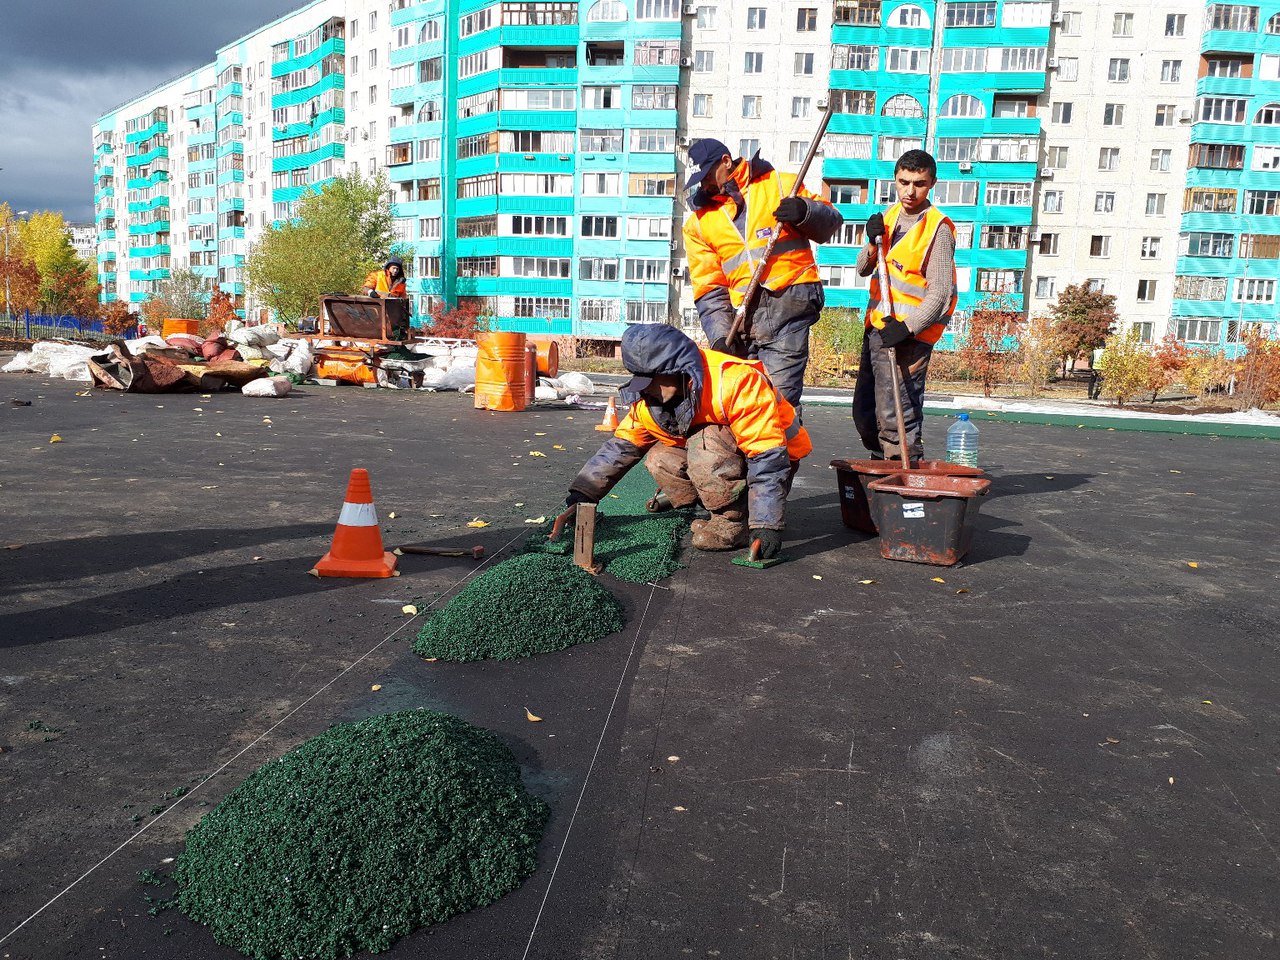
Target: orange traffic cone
pixel 610 421
pixel 357 541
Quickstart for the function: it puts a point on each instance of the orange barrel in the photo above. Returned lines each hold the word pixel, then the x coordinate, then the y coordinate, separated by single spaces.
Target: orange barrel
pixel 548 356
pixel 176 325
pixel 500 371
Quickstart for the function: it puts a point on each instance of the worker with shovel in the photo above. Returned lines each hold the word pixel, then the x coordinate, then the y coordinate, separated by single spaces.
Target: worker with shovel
pixel 387 282
pixel 711 429
pixel 737 207
pixel 916 244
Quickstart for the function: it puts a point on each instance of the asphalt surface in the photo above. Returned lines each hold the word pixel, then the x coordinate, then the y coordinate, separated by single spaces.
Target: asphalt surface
pixel 1067 746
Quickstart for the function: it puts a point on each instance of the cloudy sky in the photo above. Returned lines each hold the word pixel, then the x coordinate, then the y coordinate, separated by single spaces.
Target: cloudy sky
pixel 63 63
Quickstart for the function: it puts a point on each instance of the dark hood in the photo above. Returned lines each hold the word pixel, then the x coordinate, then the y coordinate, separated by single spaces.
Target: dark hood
pixel 745 172
pixel 396 261
pixel 653 348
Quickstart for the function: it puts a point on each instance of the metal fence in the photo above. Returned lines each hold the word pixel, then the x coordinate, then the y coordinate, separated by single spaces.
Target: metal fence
pixel 31 326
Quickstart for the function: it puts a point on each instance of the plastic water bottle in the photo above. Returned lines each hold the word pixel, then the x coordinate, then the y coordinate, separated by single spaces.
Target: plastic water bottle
pixel 962 442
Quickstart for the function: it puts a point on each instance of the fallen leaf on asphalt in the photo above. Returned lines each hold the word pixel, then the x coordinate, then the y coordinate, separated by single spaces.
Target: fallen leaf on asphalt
pixel 1171 781
pixel 938 580
pixel 558 446
pixel 1193 565
pixel 1048 478
pixel 867 581
pixel 963 590
pixel 376 687
pixel 314 573
pixel 816 577
pixel 14 546
pixel 410 609
pixel 391 515
pixel 55 439
pixel 539 434
pixel 477 522
pixel 430 659
pixel 678 809
pixel 1175 471
pixel 536 520
pixel 519 504
pixel 672 759
pixel 536 453
pixel 530 716
pixel 1209 702
pixel 258 558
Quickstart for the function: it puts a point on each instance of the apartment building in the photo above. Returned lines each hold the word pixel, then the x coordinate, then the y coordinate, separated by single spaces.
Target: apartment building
pixel 535 150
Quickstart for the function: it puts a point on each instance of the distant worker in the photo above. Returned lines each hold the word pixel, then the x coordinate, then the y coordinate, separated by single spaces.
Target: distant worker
pixel 919 244
pixel 716 432
pixel 387 282
pixel 736 206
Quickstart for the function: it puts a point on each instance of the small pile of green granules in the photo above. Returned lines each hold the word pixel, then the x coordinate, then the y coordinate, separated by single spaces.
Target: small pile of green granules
pixel 360 836
pixel 529 604
pixel 631 543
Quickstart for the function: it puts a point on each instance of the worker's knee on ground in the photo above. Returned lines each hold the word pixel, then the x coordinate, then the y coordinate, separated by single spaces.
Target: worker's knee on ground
pixel 669 468
pixel 717 467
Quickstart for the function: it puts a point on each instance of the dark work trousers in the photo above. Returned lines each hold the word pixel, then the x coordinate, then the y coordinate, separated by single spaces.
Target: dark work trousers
pixel 778 335
pixel 873 411
pixel 710 468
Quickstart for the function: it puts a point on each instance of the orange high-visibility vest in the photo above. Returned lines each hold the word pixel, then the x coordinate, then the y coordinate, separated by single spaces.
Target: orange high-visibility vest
pixel 380 282
pixel 721 255
pixel 905 262
pixel 760 417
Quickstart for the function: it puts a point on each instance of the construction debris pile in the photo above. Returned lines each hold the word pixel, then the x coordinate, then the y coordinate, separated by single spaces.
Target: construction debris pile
pixel 360 836
pixel 529 604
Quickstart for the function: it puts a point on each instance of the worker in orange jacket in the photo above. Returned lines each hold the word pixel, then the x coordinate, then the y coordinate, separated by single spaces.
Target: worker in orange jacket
pixel 388 282
pixel 711 429
pixel 919 245
pixel 736 208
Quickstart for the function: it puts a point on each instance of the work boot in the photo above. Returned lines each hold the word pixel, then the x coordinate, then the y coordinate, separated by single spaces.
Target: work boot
pixel 719 533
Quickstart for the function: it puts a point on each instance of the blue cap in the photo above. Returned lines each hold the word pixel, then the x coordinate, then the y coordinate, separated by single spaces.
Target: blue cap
pixel 963 416
pixel 705 154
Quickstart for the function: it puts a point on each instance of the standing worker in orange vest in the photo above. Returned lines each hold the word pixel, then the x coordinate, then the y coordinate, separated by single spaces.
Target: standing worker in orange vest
pixel 712 430
pixel 387 282
pixel 919 244
pixel 737 205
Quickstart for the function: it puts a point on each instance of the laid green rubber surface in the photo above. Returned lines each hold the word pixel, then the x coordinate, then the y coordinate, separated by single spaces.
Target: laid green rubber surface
pixel 631 543
pixel 532 603
pixel 360 836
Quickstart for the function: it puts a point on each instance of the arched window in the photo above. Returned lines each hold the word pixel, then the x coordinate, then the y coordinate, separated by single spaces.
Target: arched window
pixel 1273 25
pixel 909 15
pixel 429 112
pixel 962 105
pixel 902 105
pixel 1269 116
pixel 607 11
pixel 430 31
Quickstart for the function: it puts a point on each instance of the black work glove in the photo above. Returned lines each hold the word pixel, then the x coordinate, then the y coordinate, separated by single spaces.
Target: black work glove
pixel 770 542
pixel 576 497
pixel 791 210
pixel 875 227
pixel 894 332
pixel 721 345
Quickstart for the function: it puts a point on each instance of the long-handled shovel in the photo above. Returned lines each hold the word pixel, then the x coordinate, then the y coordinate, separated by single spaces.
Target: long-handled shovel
pixel 886 297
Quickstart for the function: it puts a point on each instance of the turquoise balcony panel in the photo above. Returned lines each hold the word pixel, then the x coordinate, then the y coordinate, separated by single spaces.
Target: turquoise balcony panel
pixel 302 160
pixel 538 120
pixel 1226 86
pixel 995 37
pixel 230 203
pixel 471 167
pixel 856 123
pixel 334 81
pixel 1230 41
pixel 1003 216
pixel 148 183
pixel 230 120
pixel 147 133
pixel 159 250
pixel 143 229
pixel 591 30
pixel 552 35
pixel 513 247
pixel 882 36
pixel 562 206
pixel 137 296
pixel 901 127
pixel 553 328
pixel 139 206
pixel 142 159
pixel 997 259
pixel 308 59
pixel 1015 82
pixel 528 77
pixel 307 128
pixel 231 176
pixel 144 275
pixel 539 163
pixel 106 235
pixel 649 206
pixel 668 74
pixel 231 261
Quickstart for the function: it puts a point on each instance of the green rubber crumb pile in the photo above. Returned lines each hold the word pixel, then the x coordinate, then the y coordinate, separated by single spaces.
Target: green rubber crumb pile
pixel 360 836
pixel 632 543
pixel 529 604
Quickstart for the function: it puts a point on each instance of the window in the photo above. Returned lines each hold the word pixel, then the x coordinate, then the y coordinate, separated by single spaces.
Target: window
pixel 657 9
pixel 1122 25
pixel 1155 204
pixel 751 107
pixel 600 140
pixel 801 107
pixel 1071 23
pixel 907 60
pixel 702 105
pixel 1045 288
pixel 1255 291
pixel 847 146
pixel 1057 158
pixel 539 14
pixel 1233 16
pixel 598 268
pixel 1104 201
pixel 1224 66
pixel 1200 288
pixel 1261 202
pixel 536 184
pixel 1170 71
pixel 957 149
pixel 999 281
pixel 957 193
pixel 1096 284
pixel 1264 157
pixel 467 227
pixel 860 102
pixel 755 18
pixel 648 97
pixel 646 270
pixel 653 141
pixel 533 141
pixel 1198 330
pixel 477 266
pixel 981 14
pixel 753 62
pixel 601 184
pixel 748 148
pixel 550 308
pixel 1047 245
pixel 649 228
pixel 1224 156
pixel 601 98
pixel 854 57
pixel 1150 248
pixel 607 11
pixel 1021 60
pixel 657 53
pixel 599 226
pixel 964 59
pixel 1061 112
pixel 1068 68
pixel 1175 24
pixel 861 13
pixel 1113 115
pixel 1051 201
pixel 797 150
pixel 373 58
pixel 706 18
pixel 1146 291
pixel 804 65
pixel 964 236
pixel 1273 25
pixel 1162 160
pixel 1008 195
pixel 1206 244
pixel 1166 115
pixel 704 61
pixel 1268 116
pixel 902 105
pixel 1099 246
pixel 807 20
pixel 651 185
pixel 891 148
pixel 1222 109
pixel 962 105
pixel 373 21
pixel 1118 69
pixel 1003 238
pixel 544 267
pixel 1109 158
pixel 909 16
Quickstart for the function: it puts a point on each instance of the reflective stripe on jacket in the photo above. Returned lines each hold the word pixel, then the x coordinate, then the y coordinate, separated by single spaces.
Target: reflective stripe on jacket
pixel 905 262
pixel 723 245
pixel 379 282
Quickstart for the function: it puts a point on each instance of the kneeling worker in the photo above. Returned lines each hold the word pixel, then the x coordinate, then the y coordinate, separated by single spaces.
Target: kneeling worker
pixel 716 431
pixel 387 282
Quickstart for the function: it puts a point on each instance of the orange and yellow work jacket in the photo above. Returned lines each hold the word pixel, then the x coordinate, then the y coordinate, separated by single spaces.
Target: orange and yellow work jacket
pixel 380 282
pixel 734 393
pixel 905 262
pixel 723 244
